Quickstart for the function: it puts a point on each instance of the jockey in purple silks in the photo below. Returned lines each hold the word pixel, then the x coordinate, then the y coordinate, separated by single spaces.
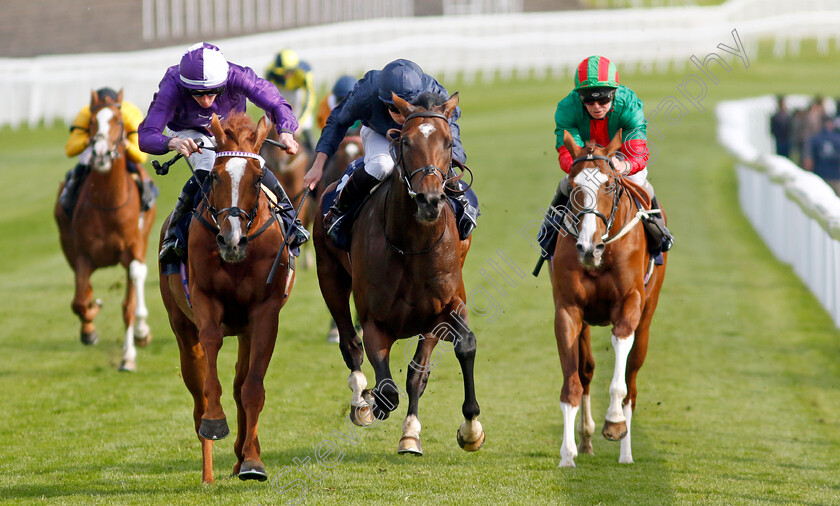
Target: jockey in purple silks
pixel 202 84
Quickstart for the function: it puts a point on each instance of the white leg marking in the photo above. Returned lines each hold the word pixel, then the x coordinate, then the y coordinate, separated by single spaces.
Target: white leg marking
pixel 568 450
pixel 626 455
pixel 357 382
pixel 411 427
pixel 618 388
pixel 129 352
pixel 138 271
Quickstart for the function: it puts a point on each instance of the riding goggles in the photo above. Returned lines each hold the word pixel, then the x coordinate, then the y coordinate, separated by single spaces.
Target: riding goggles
pixel 211 91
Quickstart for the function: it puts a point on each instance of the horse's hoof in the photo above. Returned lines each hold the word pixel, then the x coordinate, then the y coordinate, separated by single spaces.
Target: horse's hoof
pixel 213 429
pixel 567 463
pixel 409 444
pixel 128 366
pixel 362 415
pixel 585 447
pixel 470 447
pixel 614 431
pixel 252 470
pixel 89 338
pixel 144 341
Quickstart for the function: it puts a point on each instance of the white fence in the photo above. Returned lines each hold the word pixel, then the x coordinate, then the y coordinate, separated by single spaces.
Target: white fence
pixel 52 88
pixel 794 211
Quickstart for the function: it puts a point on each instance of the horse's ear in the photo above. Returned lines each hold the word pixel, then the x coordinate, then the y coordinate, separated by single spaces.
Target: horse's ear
pixel 450 105
pixel 120 96
pixel 571 145
pixel 262 132
pixel 404 107
pixel 94 98
pixel 615 143
pixel 216 130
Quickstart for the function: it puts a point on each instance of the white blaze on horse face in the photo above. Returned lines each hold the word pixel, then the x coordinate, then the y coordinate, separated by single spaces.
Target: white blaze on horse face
pixel 236 169
pixel 588 182
pixel 426 129
pixel 101 162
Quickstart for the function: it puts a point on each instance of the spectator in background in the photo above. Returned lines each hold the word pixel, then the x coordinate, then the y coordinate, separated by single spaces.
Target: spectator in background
pixel 797 136
pixel 781 126
pixel 822 154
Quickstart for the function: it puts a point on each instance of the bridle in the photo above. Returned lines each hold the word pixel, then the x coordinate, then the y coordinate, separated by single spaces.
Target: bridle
pixel 406 178
pixel 608 221
pixel 235 211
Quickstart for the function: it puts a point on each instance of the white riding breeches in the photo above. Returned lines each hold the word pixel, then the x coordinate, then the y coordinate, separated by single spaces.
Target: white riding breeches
pixel 378 160
pixel 205 159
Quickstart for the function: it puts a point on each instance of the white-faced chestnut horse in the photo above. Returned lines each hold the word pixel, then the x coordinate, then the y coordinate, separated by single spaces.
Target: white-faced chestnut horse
pixel 234 238
pixel 598 277
pixel 404 270
pixel 108 228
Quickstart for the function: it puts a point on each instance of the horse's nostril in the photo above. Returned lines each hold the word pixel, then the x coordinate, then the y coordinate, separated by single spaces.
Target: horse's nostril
pixel 581 249
pixel 599 248
pixel 421 199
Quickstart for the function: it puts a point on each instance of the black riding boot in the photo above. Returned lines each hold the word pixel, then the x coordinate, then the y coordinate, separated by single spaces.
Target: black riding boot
pixel 360 184
pixel 72 185
pixel 300 233
pixel 548 231
pixel 170 248
pixel 660 236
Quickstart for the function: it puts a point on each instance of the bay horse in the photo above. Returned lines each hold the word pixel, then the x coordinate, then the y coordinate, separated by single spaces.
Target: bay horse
pixel 108 228
pixel 290 170
pixel 404 271
pixel 234 238
pixel 601 274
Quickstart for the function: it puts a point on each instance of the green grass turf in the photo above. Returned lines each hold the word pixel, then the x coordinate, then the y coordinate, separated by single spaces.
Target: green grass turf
pixel 738 399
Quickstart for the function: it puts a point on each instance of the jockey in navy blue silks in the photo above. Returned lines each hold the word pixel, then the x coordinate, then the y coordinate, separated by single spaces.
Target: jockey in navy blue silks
pixel 370 102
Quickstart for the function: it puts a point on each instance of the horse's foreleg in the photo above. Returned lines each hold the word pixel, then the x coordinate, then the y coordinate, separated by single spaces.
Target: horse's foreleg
pixel 213 422
pixel 263 323
pixel 470 434
pixel 137 270
pixel 242 367
pixel 586 424
pixel 386 394
pixel 131 310
pixel 83 304
pixel 623 335
pixel 416 380
pixel 567 329
pixel 634 363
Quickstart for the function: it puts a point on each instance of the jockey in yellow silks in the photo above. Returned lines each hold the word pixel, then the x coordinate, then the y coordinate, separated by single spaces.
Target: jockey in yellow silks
pixel 295 81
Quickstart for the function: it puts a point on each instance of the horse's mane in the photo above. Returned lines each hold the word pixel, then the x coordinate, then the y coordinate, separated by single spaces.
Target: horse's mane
pixel 241 128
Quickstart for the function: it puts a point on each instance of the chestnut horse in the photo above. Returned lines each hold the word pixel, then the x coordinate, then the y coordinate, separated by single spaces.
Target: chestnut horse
pixel 404 270
pixel 598 277
pixel 233 240
pixel 290 170
pixel 108 228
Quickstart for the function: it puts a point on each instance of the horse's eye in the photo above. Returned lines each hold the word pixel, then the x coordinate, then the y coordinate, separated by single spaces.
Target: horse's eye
pixel 404 142
pixel 448 144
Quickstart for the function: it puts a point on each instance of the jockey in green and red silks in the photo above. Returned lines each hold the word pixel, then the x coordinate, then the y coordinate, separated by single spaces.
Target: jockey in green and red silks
pixel 596 84
pixel 596 109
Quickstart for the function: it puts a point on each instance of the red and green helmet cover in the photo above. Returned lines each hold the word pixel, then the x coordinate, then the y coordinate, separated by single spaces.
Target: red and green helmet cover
pixel 596 72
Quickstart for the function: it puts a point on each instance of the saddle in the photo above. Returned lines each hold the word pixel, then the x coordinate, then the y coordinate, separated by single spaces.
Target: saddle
pixel 464 206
